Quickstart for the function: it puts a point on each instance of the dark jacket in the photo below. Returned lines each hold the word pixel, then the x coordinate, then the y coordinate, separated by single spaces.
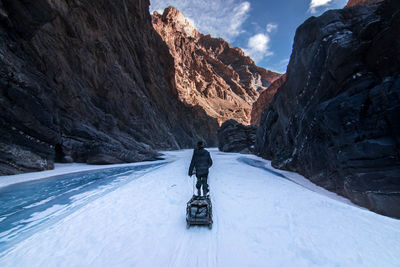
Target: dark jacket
pixel 201 161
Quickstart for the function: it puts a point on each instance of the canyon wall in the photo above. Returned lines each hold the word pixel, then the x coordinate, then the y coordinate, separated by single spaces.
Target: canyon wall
pixel 336 118
pixel 351 3
pixel 264 99
pixel 209 72
pixel 88 81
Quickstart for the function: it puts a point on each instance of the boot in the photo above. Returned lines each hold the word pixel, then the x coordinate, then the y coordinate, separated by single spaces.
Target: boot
pixel 206 193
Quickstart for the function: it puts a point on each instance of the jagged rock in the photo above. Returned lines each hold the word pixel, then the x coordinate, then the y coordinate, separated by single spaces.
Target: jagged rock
pixel 351 3
pixel 236 137
pixel 209 72
pixel 336 118
pixel 84 81
pixel 264 99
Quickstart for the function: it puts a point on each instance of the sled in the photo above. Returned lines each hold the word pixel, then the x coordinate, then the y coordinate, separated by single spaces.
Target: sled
pixel 199 211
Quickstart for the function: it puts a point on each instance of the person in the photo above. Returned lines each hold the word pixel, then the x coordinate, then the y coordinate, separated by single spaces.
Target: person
pixel 201 162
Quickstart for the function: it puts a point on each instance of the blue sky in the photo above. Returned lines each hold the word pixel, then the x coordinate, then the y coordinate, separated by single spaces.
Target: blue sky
pixel 263 29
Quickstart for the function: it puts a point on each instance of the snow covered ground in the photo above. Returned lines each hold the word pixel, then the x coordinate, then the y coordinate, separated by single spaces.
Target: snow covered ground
pixel 262 217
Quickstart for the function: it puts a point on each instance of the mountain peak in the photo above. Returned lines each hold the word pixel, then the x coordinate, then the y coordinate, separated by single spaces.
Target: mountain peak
pixel 171 15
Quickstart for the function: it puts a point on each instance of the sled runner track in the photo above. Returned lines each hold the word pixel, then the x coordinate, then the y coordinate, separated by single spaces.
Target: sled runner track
pixel 197 246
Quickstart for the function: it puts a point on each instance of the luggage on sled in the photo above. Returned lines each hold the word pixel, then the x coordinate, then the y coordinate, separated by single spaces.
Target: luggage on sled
pixel 199 211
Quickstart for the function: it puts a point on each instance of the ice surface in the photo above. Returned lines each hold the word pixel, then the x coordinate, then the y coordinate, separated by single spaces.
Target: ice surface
pixel 26 208
pixel 59 169
pixel 260 218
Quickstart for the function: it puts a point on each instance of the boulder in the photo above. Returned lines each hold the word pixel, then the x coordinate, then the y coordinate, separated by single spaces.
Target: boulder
pixel 236 137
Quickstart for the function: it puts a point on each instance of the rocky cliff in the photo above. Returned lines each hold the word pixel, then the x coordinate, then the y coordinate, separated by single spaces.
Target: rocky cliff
pixel 351 3
pixel 264 99
pixel 209 72
pixel 336 118
pixel 236 137
pixel 88 81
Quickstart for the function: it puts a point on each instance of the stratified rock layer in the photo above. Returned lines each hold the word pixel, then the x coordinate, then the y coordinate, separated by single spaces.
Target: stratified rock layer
pixel 236 137
pixel 88 81
pixel 209 72
pixel 336 118
pixel 264 99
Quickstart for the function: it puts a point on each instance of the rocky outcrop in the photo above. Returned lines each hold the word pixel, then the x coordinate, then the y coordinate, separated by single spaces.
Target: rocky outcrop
pixel 88 82
pixel 264 99
pixel 336 118
pixel 236 137
pixel 351 3
pixel 209 72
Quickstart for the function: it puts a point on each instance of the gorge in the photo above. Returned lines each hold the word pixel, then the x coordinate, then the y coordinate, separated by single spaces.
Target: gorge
pixel 104 82
pixel 209 72
pixel 84 82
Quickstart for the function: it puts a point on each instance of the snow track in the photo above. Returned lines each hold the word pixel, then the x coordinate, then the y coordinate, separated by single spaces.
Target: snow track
pixel 260 219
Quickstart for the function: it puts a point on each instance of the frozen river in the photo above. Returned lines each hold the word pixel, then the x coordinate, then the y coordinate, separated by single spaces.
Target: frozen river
pixel 135 216
pixel 29 206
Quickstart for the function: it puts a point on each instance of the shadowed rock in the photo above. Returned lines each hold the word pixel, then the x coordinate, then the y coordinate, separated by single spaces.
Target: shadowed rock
pixel 88 81
pixel 264 99
pixel 236 137
pixel 336 118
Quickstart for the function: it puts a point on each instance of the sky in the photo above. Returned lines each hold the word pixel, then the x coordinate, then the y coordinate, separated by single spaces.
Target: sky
pixel 263 29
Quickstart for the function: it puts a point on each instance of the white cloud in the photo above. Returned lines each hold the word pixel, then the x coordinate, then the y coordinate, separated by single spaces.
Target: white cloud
pixel 314 4
pixel 258 47
pixel 259 42
pixel 219 18
pixel 272 27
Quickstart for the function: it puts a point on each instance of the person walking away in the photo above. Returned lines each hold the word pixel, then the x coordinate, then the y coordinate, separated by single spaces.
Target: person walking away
pixel 201 162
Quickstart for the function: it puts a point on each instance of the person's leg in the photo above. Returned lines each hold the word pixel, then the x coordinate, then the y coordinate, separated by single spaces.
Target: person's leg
pixel 198 185
pixel 205 185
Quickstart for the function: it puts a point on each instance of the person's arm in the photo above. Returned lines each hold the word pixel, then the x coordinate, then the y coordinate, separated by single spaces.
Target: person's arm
pixel 192 164
pixel 210 162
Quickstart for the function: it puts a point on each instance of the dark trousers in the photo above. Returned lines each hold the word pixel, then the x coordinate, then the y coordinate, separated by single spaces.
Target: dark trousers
pixel 202 182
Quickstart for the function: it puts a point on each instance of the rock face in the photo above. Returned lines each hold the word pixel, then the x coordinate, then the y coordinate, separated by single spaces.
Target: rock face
pixel 336 118
pixel 351 3
pixel 209 72
pixel 236 137
pixel 88 82
pixel 264 99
